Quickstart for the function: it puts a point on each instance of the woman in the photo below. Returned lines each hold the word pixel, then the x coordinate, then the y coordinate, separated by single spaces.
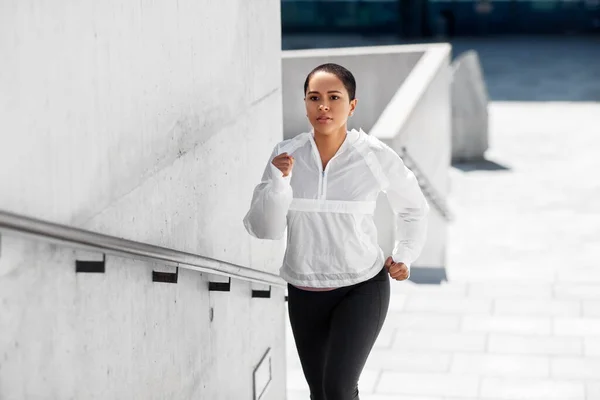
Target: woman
pixel 323 186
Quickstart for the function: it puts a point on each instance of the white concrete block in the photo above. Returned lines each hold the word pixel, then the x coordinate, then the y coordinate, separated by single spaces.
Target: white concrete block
pixel 449 341
pixel 501 365
pixel 408 361
pixel 469 108
pixel 368 380
pixel 443 304
pixel 577 326
pixel 446 385
pixel 577 291
pixel 422 321
pixel 396 397
pixel 510 290
pixel 444 289
pixel 397 302
pixel 531 389
pixel 537 307
pixel 579 275
pixel 518 325
pixel 591 346
pixel 576 368
pixel 593 390
pixel 540 345
pixel 591 308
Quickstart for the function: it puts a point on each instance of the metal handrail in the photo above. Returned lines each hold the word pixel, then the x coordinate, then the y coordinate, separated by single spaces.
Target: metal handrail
pixel 87 240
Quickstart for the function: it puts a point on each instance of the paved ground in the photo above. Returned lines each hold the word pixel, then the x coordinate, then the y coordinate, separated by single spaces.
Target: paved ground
pixel 520 315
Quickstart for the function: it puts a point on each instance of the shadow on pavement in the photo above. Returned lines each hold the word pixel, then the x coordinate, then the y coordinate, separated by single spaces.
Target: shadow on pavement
pixel 428 275
pixel 480 165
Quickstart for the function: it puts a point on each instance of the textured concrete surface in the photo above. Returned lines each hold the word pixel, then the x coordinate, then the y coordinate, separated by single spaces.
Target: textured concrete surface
pixel 122 120
pixel 151 121
pixel 118 335
pixel 470 122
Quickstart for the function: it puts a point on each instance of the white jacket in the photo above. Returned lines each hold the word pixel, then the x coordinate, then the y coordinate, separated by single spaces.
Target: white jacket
pixel 331 234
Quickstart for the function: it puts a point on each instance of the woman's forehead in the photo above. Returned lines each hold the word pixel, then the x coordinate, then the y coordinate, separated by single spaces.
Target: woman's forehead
pixel 325 80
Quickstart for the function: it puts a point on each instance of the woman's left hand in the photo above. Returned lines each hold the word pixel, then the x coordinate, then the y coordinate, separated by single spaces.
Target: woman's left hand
pixel 398 271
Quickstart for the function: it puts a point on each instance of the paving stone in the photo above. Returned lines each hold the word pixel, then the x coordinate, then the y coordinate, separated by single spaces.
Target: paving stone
pixel 591 308
pixel 422 321
pixel 593 391
pixel 407 361
pixel 591 346
pixel 540 345
pixel 577 291
pixel 501 365
pixel 511 290
pixel 577 326
pixel 440 341
pixel 529 307
pixel 428 384
pixel 576 368
pixel 531 389
pixel 447 304
pixel 519 325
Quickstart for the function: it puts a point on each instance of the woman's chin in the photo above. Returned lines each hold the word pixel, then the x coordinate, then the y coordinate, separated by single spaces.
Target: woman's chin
pixel 325 129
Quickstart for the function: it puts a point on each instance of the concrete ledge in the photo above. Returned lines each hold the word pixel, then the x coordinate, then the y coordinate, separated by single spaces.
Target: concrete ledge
pixel 469 109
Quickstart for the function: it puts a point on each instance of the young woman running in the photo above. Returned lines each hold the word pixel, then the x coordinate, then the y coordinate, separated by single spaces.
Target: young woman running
pixel 323 186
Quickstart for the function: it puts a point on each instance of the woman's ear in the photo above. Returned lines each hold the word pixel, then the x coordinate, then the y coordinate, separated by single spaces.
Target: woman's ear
pixel 353 106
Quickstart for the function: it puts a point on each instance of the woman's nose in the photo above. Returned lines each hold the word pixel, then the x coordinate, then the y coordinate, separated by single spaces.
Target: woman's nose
pixel 323 108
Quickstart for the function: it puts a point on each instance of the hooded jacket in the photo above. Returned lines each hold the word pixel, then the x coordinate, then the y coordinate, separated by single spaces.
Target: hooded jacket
pixel 329 213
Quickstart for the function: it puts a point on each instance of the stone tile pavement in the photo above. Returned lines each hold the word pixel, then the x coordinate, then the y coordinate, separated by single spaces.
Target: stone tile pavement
pixel 519 317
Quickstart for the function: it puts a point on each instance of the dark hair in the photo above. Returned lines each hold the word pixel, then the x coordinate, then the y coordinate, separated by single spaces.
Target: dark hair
pixel 342 73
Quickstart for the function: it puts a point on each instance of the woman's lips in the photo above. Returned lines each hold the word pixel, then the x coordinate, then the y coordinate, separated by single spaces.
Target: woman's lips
pixel 323 120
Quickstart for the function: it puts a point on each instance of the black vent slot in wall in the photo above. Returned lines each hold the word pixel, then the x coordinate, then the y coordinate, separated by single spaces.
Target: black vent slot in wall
pixel 91 267
pixel 165 277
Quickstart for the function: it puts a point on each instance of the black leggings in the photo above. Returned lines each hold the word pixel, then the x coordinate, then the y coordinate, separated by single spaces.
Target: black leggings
pixel 335 332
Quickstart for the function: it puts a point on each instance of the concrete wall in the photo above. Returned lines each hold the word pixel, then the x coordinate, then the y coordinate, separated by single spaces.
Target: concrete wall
pixel 419 119
pixel 403 99
pixel 470 137
pixel 150 121
pixel 118 335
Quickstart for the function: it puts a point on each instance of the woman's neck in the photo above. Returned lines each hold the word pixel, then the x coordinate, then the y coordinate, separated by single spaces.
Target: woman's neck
pixel 328 145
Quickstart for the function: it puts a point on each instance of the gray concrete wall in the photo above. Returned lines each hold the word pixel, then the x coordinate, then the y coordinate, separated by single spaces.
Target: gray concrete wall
pixel 469 109
pixel 420 116
pixel 150 121
pixel 119 335
pixel 403 99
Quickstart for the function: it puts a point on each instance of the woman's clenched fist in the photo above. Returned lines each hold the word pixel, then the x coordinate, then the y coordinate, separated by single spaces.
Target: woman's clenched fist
pixel 284 163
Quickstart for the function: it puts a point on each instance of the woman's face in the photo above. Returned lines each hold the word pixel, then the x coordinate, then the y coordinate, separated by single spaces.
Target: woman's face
pixel 327 103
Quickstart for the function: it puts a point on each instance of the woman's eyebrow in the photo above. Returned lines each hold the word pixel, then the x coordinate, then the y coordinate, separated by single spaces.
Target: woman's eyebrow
pixel 331 91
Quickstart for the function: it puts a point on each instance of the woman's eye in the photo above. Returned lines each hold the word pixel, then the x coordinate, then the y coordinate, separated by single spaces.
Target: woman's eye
pixel 334 97
pixel 314 98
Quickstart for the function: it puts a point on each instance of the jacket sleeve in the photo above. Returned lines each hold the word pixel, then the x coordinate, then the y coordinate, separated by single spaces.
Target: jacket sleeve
pixel 267 217
pixel 410 209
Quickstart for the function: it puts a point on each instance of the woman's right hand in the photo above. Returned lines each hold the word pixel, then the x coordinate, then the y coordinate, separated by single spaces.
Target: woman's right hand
pixel 284 163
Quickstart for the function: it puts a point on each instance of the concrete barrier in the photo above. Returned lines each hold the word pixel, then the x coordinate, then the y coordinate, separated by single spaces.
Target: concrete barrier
pixel 150 121
pixel 470 137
